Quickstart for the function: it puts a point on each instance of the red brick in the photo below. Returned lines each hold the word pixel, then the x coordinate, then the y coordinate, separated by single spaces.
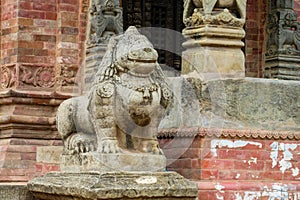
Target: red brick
pixel 69 31
pixel 32 14
pixel 33 45
pixel 28 156
pixel 181 164
pixel 44 7
pixel 196 174
pixel 51 15
pixel 45 38
pixel 211 174
pixel 271 175
pixel 21 148
pixel 12 156
pixel 249 164
pixel 72 2
pixel 217 164
pixel 196 163
pixel 26 5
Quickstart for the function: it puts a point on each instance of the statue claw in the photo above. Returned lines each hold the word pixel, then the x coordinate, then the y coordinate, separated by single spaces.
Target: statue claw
pixel 109 146
pixel 151 147
pixel 79 143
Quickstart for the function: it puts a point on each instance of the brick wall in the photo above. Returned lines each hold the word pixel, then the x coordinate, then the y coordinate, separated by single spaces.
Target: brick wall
pixel 255 37
pixel 236 166
pixel 297 8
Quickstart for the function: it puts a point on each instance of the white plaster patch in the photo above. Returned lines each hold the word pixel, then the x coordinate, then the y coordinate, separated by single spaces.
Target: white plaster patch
pixel 295 171
pixel 238 196
pixel 252 160
pixel 237 176
pixel 219 194
pixel 230 144
pixel 284 163
pixel 277 192
pixel 219 187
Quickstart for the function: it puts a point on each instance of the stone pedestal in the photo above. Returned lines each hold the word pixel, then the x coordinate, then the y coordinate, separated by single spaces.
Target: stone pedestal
pixel 214 52
pixel 283 67
pixel 87 186
pixel 94 161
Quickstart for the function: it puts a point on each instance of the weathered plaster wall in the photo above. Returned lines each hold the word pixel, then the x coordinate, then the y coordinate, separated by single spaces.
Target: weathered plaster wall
pixel 237 168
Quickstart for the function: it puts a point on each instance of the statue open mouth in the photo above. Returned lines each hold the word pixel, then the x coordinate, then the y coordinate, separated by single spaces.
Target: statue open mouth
pixel 142 60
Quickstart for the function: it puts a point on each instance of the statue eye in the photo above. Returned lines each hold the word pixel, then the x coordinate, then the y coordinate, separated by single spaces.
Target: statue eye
pixel 147 50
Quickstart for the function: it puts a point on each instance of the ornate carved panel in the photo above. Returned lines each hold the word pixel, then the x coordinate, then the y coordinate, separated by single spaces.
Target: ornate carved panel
pixel 36 76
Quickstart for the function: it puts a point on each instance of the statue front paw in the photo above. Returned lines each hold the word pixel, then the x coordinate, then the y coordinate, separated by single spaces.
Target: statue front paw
pixel 108 145
pixel 151 146
pixel 80 143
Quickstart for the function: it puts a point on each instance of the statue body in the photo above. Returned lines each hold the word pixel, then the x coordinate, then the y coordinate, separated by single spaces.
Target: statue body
pixel 122 111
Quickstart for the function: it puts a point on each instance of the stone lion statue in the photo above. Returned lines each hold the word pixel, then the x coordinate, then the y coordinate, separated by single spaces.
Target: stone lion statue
pixel 209 5
pixel 123 108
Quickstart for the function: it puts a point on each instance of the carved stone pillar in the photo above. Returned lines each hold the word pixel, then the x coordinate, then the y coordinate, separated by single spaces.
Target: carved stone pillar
pixel 40 56
pixel 214 33
pixel 283 43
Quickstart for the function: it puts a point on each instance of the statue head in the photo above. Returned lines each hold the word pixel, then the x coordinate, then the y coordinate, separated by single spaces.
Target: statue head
pixel 130 52
pixel 135 53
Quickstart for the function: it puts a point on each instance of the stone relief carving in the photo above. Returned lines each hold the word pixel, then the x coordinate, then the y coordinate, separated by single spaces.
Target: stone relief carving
pixel 106 20
pixel 7 76
pixel 283 33
pixel 214 12
pixel 37 76
pixel 68 75
pixel 123 108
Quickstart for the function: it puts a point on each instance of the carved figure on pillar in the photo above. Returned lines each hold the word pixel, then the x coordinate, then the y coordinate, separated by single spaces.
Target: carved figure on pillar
pixel 283 32
pixel 106 20
pixel 283 41
pixel 198 12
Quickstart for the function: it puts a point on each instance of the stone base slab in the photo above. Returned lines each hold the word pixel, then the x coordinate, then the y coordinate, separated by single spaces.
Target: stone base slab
pixel 88 186
pixel 94 161
pixel 15 191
